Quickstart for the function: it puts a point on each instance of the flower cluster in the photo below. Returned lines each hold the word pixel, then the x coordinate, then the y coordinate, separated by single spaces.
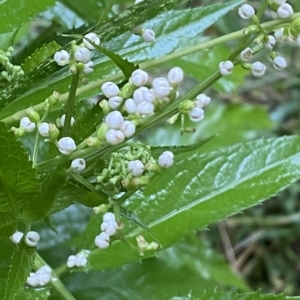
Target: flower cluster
pixel 143 245
pixel 82 54
pixel 40 278
pixel 78 260
pixel 31 239
pixel 109 227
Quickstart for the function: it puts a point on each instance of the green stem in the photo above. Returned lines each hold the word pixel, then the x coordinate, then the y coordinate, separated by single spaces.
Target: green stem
pixel 55 282
pixel 105 12
pixel 70 104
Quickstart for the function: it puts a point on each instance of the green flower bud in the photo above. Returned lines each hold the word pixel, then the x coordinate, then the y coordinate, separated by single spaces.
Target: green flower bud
pixel 92 141
pixel 33 115
pixel 127 90
pixel 185 106
pixel 101 131
pixel 53 99
pixel 53 132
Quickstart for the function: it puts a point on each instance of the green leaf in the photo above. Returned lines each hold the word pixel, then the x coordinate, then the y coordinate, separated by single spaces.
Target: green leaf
pixel 39 56
pixel 34 294
pixel 8 224
pixel 16 12
pixel 204 187
pixel 18 183
pixel 21 264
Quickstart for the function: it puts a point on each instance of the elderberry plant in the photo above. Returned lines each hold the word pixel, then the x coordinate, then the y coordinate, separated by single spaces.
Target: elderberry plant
pixel 109 154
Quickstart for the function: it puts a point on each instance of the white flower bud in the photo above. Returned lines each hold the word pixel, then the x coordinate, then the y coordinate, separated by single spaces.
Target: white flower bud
pixel 130 106
pixel 33 279
pixel 278 34
pixel 114 120
pixel 279 63
pixel 62 57
pixel 44 276
pixel 109 228
pixel 94 38
pixel 44 268
pixel 271 42
pixel 114 136
pixel 139 77
pixel 62 120
pixel 32 238
pixel 148 35
pixel 115 102
pixel 102 240
pixel 110 89
pixel 246 54
pixel 44 129
pixel 161 87
pixel 145 108
pixel 246 11
pixel 88 68
pixel 81 260
pixel 16 237
pixel 143 94
pixel 128 128
pixel 196 114
pixel 82 54
pixel 66 145
pixel 166 159
pixel 202 100
pixel 136 167
pixel 108 216
pixel 258 69
pixel 27 124
pixel 78 165
pixel 175 75
pixel 226 67
pixel 285 11
pixel 71 261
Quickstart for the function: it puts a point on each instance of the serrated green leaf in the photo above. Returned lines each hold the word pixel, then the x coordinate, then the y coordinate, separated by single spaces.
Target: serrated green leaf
pixel 18 183
pixel 202 188
pixel 16 12
pixel 39 56
pixel 21 264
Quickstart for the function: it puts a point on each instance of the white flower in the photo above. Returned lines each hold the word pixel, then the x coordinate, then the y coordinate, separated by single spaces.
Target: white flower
pixel 33 279
pixel 71 261
pixel 161 87
pixel 16 237
pixel 44 129
pixel 81 260
pixel 102 240
pixel 66 145
pixel 271 42
pixel 246 54
pixel 44 275
pixel 148 35
pixel 130 106
pixel 88 68
pixel 202 100
pixel 110 89
pixel 279 63
pixel 83 55
pixel 196 114
pixel 109 227
pixel 32 238
pixel 115 102
pixel 78 164
pixel 93 37
pixel 226 67
pixel 62 120
pixel 145 108
pixel 166 159
pixel 175 75
pixel 27 124
pixel 246 11
pixel 128 128
pixel 258 69
pixel 139 77
pixel 108 216
pixel 285 11
pixel 136 167
pixel 62 57
pixel 278 33
pixel 143 94
pixel 114 136
pixel 114 120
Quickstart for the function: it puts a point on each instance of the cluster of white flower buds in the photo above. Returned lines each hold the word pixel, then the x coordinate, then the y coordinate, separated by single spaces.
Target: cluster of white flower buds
pixel 147 34
pixel 78 260
pixel 40 278
pixel 109 227
pixel 31 239
pixel 82 53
